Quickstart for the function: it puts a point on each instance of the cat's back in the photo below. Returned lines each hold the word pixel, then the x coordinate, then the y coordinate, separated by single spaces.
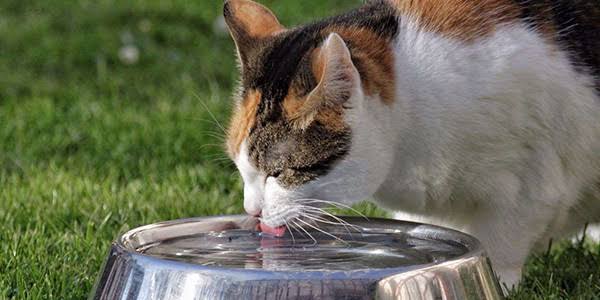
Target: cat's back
pixel 572 25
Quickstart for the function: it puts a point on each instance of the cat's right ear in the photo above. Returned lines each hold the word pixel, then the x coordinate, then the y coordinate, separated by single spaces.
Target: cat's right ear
pixel 249 22
pixel 338 78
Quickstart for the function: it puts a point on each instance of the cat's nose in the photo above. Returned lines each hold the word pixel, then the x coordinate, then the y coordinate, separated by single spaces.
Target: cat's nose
pixel 254 213
pixel 252 201
pixel 252 208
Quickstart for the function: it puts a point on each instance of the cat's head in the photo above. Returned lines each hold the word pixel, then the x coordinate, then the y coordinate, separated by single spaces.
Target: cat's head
pixel 305 125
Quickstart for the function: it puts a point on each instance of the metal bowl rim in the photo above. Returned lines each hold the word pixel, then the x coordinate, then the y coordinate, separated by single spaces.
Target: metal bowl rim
pixel 474 249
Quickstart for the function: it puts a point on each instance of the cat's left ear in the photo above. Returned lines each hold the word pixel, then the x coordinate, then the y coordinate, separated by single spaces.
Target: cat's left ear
pixel 249 22
pixel 338 79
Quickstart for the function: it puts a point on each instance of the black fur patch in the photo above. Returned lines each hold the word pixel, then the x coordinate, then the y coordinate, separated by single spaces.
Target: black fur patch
pixel 283 64
pixel 275 68
pixel 577 23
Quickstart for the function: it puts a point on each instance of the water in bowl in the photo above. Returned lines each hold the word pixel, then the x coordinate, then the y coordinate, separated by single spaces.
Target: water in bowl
pixel 336 251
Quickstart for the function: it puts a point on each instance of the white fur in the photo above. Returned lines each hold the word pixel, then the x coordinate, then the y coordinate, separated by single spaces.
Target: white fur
pixel 254 182
pixel 499 138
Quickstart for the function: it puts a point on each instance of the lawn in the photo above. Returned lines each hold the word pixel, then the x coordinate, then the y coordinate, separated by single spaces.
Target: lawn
pixel 109 119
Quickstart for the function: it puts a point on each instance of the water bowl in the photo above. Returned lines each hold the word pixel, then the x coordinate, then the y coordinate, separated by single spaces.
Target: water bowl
pixel 226 258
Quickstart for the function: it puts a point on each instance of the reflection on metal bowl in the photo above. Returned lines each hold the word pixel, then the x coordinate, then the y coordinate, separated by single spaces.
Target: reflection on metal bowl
pixel 225 258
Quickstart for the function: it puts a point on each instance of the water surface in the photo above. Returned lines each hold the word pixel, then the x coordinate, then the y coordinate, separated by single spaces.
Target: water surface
pixel 347 251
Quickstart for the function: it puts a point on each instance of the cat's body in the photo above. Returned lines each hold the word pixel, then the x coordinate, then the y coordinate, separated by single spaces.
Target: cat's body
pixel 483 116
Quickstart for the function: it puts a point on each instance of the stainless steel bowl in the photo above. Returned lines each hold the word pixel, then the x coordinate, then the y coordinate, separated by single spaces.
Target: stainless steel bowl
pixel 224 258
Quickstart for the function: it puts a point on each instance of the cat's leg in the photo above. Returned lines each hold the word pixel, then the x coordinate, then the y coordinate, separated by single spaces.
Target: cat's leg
pixel 593 233
pixel 570 223
pixel 587 212
pixel 509 221
pixel 508 235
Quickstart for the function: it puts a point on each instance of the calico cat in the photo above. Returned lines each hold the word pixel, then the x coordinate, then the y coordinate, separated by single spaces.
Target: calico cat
pixel 479 115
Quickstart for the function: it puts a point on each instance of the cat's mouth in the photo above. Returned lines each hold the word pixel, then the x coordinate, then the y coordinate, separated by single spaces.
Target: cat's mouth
pixel 287 219
pixel 278 231
pixel 298 219
pixel 274 220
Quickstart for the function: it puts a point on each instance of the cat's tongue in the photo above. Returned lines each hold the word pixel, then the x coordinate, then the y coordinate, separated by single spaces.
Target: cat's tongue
pixel 277 231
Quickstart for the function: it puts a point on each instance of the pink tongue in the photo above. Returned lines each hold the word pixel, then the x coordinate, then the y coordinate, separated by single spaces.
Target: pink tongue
pixel 277 231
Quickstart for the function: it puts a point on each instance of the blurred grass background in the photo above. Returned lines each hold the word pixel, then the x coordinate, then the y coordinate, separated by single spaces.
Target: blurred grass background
pixel 108 120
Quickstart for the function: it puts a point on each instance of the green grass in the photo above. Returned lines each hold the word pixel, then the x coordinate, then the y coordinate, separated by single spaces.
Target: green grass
pixel 91 146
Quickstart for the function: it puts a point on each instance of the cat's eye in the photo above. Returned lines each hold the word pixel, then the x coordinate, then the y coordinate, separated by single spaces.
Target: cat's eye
pixel 275 174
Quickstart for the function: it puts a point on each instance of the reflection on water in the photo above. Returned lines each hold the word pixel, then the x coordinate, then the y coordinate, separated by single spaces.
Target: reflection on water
pixel 352 251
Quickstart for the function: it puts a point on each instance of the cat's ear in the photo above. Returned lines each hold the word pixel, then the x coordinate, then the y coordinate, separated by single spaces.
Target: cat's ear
pixel 248 23
pixel 337 76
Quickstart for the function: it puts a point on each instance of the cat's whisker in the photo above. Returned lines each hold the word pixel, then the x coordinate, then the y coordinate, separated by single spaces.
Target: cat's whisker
pixel 217 157
pixel 210 113
pixel 209 121
pixel 332 203
pixel 234 172
pixel 325 213
pixel 336 221
pixel 219 146
pixel 301 228
pixel 295 227
pixel 322 231
pixel 321 220
pixel 215 154
pixel 290 230
pixel 214 135
pixel 226 162
pixel 304 232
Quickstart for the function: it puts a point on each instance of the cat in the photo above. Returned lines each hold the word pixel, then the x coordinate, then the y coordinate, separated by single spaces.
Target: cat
pixel 478 115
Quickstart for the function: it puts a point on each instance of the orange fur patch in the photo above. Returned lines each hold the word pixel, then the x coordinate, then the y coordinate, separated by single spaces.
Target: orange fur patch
pixel 372 56
pixel 374 59
pixel 462 19
pixel 257 20
pixel 332 117
pixel 242 121
pixel 292 105
pixel 301 111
